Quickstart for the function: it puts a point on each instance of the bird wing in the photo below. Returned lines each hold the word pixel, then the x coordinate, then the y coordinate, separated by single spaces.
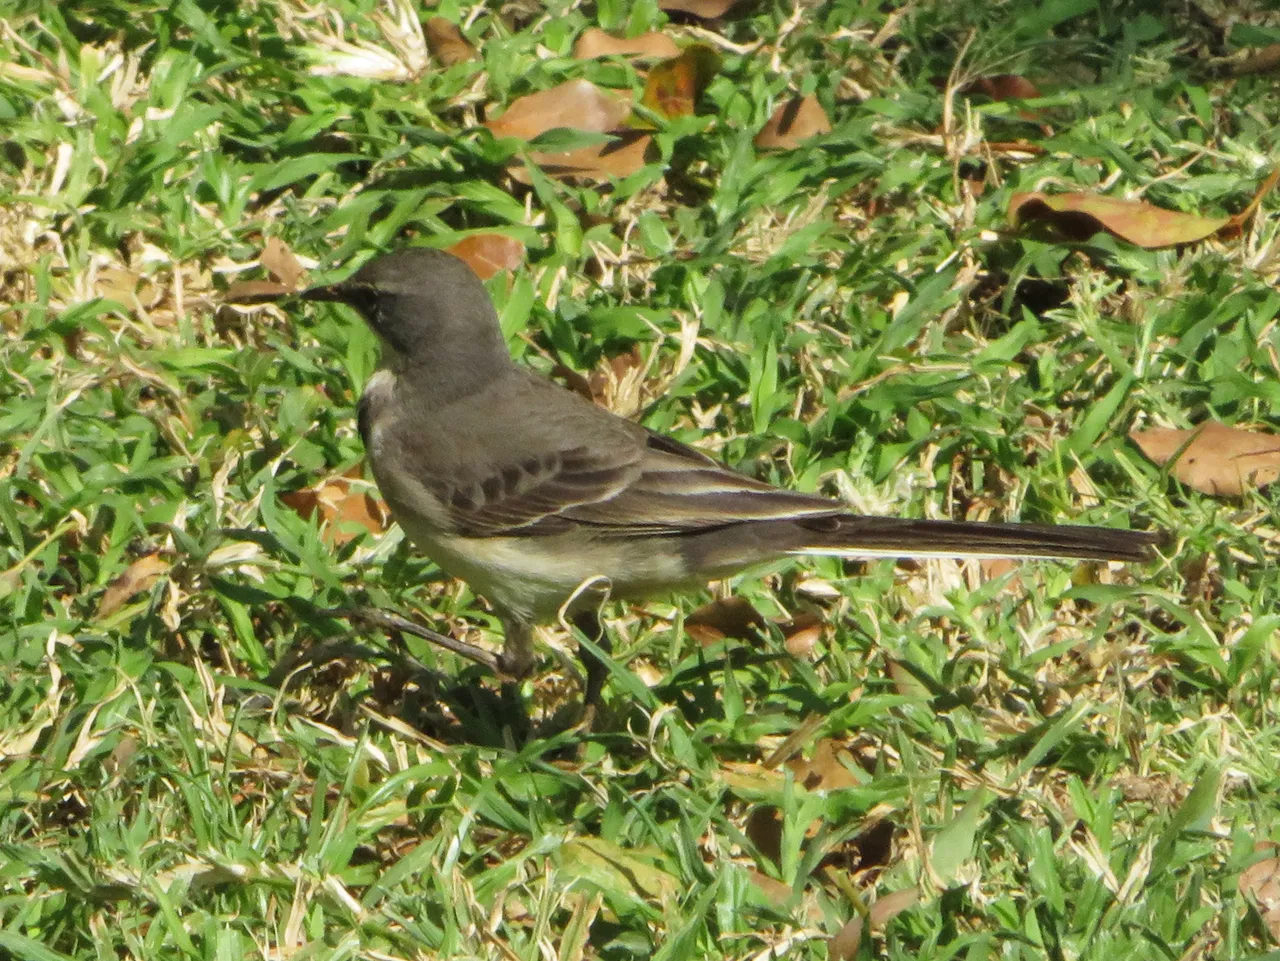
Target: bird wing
pixel 576 465
pixel 653 485
pixel 680 490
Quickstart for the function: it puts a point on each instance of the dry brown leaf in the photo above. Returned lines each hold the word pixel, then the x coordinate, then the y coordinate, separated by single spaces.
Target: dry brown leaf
pixel 1078 216
pixel 1007 86
pixel 1004 86
pixel 137 577
pixel 577 104
pixel 673 87
pixel 1215 459
pixel 774 891
pixel 992 568
pixel 889 906
pixel 486 254
pixel 255 292
pixel 825 770
pixel 344 508
pixel 703 9
pixel 728 617
pixel 446 43
pixel 793 123
pixel 594 42
pixel 609 161
pixel 1261 883
pixel 844 946
pixel 801 634
pixel 281 264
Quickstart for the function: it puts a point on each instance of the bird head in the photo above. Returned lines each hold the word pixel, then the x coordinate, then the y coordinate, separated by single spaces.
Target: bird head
pixel 422 302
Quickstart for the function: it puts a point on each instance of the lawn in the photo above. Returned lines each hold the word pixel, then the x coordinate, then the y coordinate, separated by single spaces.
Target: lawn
pixel 928 760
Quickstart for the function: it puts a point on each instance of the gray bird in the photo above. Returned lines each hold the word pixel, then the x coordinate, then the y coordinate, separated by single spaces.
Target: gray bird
pixel 529 492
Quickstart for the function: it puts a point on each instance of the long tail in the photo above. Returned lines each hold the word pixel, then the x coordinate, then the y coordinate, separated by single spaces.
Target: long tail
pixel 850 535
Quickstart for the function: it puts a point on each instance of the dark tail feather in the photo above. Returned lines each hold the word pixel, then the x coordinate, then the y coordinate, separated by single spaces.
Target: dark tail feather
pixel 857 536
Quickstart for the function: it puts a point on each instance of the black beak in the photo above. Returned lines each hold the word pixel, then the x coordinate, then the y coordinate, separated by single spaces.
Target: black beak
pixel 335 292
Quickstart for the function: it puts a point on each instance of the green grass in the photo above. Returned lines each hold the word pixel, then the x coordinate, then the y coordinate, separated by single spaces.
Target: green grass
pixel 1077 765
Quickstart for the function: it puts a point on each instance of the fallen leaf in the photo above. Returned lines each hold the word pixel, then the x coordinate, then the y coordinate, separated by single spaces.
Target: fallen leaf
pixel 577 104
pixel 1007 86
pixel 594 42
pixel 793 123
pixel 486 254
pixel 255 292
pixel 137 577
pixel 993 568
pixel 1004 86
pixel 825 771
pixel 801 634
pixel 889 906
pixel 844 946
pixel 1079 216
pixel 609 161
pixel 281 264
pixel 728 617
pixel 345 509
pixel 773 890
pixel 1260 883
pixel 703 9
pixel 446 43
pixel 674 86
pixel 1214 458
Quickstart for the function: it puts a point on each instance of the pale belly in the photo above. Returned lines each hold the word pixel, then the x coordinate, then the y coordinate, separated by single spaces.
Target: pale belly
pixel 532 577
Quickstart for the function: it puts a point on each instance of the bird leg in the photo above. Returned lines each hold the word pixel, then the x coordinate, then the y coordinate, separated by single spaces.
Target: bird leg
pixel 517 659
pixel 588 622
pixel 393 622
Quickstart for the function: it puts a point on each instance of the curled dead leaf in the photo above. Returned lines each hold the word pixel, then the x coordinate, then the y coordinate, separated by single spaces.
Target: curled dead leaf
pixel 1078 216
pixel 139 576
pixel 793 123
pixel 1213 458
pixel 346 507
pixel 577 105
pixel 486 254
pixel 801 634
pixel 281 264
pixel 446 43
pixel 594 42
pixel 673 87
